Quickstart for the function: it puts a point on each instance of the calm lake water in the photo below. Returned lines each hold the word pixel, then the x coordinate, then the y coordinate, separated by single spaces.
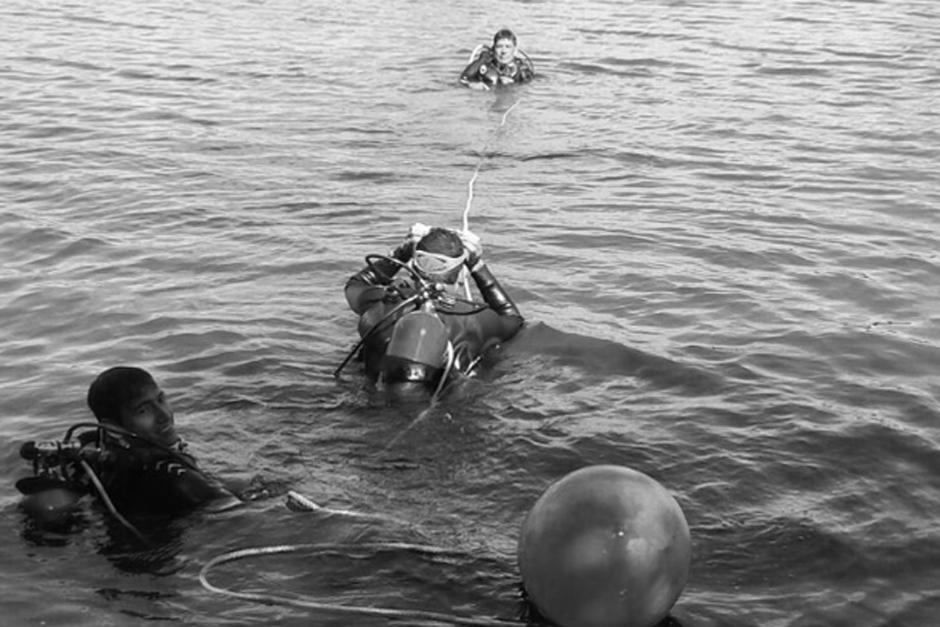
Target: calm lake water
pixel 719 217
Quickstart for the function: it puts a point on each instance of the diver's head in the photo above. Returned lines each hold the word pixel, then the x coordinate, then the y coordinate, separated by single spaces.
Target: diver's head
pixel 504 33
pixel 130 398
pixel 439 256
pixel 504 45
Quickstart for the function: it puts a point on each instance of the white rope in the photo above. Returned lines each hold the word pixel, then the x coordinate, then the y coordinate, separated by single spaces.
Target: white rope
pixel 466 210
pixel 451 355
pixel 506 114
pixel 296 500
pixel 310 604
pixel 476 172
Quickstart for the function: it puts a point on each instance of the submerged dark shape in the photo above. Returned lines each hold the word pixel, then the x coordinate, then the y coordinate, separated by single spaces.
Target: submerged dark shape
pixel 602 356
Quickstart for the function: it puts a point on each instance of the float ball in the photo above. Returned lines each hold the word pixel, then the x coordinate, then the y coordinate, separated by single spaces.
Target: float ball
pixel 605 546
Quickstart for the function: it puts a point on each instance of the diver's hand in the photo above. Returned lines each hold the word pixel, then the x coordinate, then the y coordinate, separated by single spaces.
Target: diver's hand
pixel 473 246
pixel 404 251
pixel 416 231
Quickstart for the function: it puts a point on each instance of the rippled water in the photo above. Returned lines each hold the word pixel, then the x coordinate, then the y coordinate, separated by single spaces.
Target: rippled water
pixel 719 218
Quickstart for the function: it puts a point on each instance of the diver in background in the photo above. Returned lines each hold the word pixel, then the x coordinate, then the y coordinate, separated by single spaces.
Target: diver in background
pixel 434 258
pixel 133 459
pixel 503 64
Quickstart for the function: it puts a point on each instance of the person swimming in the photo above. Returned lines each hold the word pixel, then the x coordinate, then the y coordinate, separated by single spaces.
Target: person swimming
pixel 499 65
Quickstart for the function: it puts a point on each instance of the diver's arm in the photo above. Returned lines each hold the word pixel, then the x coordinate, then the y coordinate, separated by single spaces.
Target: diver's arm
pixel 202 490
pixel 471 76
pixel 493 293
pixel 367 287
pixel 526 69
pixel 501 320
pixel 184 486
pixel 478 85
pixel 470 72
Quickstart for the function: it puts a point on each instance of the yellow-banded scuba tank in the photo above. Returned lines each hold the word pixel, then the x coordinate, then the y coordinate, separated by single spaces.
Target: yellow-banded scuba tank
pixel 417 349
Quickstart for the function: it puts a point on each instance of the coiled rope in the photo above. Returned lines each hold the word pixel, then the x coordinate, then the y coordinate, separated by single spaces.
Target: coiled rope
pixel 312 604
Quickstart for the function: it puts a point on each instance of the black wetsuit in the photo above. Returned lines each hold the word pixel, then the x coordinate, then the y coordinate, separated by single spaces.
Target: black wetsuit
pixel 145 479
pixel 472 328
pixel 486 69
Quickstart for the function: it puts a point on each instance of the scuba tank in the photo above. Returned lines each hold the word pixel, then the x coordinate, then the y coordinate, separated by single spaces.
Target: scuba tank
pixel 417 348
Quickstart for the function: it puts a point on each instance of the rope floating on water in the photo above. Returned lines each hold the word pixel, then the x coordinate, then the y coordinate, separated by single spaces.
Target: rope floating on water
pixel 466 210
pixel 473 179
pixel 312 604
pixel 476 172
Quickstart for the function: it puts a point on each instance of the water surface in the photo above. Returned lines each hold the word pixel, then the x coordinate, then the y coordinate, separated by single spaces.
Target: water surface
pixel 719 219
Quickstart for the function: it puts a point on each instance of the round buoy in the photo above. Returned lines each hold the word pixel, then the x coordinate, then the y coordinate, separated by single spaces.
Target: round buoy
pixel 605 546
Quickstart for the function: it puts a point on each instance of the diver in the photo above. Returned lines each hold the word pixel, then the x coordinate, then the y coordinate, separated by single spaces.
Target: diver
pixel 132 459
pixel 503 64
pixel 415 330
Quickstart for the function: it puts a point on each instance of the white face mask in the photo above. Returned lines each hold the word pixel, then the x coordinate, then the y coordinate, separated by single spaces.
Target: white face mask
pixel 437 267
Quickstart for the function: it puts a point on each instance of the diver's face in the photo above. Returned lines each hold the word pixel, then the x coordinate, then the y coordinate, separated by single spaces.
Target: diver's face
pixel 504 50
pixel 148 413
pixel 446 279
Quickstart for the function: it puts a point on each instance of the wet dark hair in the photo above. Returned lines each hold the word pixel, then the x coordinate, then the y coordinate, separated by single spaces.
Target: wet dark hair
pixel 442 242
pixel 504 33
pixel 113 388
